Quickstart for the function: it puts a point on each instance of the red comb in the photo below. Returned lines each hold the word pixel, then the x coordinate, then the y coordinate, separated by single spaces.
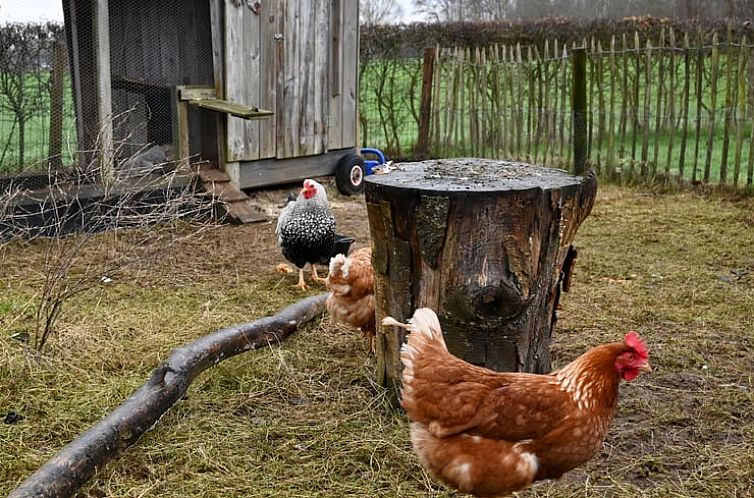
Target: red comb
pixel 634 341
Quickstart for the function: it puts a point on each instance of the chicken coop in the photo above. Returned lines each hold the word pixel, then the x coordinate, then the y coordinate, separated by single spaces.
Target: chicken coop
pixel 264 92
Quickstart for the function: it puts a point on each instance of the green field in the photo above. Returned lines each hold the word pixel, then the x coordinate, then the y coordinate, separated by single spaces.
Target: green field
pixel 36 129
pixel 521 111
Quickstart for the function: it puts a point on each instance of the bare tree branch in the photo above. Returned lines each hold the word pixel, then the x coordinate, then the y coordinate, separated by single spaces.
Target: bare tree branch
pixel 62 475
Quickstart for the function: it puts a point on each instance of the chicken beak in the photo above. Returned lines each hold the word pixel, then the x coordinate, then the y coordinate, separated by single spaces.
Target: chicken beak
pixel 646 368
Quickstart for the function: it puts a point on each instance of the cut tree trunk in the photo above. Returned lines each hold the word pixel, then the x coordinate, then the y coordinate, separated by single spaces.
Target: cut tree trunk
pixel 486 244
pixel 68 470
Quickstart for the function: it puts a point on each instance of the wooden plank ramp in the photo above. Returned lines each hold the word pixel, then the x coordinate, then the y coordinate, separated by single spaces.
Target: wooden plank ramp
pixel 237 206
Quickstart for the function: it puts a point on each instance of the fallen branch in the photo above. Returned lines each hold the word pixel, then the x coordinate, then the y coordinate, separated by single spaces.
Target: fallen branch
pixel 68 470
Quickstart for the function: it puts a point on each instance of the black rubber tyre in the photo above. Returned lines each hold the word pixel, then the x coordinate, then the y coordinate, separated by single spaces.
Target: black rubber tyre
pixel 350 174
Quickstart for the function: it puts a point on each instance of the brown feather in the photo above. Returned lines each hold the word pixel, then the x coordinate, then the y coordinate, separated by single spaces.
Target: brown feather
pixel 479 430
pixel 351 282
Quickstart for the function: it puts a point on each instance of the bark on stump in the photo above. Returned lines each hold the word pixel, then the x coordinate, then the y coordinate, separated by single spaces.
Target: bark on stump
pixel 486 244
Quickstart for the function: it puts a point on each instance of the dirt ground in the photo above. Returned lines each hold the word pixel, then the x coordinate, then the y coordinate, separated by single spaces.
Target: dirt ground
pixel 305 419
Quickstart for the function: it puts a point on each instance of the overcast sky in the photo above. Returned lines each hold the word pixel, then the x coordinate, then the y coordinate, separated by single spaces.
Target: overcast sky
pixel 52 10
pixel 408 10
pixel 31 10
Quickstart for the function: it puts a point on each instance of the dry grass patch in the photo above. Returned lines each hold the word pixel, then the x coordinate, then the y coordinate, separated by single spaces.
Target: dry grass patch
pixel 304 418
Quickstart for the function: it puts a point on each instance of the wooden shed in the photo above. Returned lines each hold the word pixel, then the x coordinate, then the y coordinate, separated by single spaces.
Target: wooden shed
pixel 267 91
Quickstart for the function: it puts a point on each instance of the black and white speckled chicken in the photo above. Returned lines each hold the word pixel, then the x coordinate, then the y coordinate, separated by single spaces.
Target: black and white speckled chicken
pixel 306 230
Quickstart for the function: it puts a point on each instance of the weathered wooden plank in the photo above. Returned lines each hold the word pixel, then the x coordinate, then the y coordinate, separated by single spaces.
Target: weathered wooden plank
pixel 196 92
pixel 473 95
pixel 714 70
pixel 436 113
pixel 520 101
pixel 209 174
pixel 750 165
pixel 242 78
pixel 610 160
pixel 699 96
pixel 671 122
pixel 217 34
pixel 179 124
pixel 350 74
pixel 624 100
pixel 75 52
pixel 658 105
pixel 555 86
pixel 320 88
pixel 465 59
pixel 56 107
pixel 499 110
pixel 647 110
pixel 592 79
pixel 264 172
pixel 564 95
pixel 601 105
pixel 244 212
pixel 456 74
pixel 104 96
pixel 636 125
pixel 446 72
pixel 544 90
pixel 232 108
pixel 501 113
pixel 482 93
pixel 293 138
pixel 740 113
pixel 335 116
pixel 685 103
pixel 530 103
pixel 730 85
pixel 422 140
pixel 580 151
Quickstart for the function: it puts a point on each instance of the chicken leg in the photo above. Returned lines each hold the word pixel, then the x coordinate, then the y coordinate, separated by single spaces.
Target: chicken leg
pixel 316 277
pixel 301 284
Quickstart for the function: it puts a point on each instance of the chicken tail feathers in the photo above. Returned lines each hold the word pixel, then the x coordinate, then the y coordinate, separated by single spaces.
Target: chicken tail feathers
pixel 424 330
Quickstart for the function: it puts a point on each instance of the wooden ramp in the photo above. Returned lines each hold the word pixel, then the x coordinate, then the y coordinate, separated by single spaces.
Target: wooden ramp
pixel 236 204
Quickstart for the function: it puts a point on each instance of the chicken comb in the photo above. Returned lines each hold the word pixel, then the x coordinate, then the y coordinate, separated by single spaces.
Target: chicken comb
pixel 634 341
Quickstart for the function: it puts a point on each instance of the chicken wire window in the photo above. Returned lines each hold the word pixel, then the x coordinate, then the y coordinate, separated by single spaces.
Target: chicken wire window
pixel 35 99
pixel 111 62
pixel 153 47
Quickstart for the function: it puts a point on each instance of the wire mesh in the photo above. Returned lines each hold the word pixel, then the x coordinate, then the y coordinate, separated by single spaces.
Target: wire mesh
pixel 52 102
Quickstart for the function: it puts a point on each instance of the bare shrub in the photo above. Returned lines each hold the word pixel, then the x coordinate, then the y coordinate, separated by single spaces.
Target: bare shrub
pixel 95 231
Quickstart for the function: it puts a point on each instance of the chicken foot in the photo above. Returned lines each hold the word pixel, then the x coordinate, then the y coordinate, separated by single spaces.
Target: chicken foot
pixel 316 277
pixel 301 284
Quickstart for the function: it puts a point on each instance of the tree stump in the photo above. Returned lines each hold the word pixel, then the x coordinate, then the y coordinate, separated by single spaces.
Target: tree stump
pixel 484 243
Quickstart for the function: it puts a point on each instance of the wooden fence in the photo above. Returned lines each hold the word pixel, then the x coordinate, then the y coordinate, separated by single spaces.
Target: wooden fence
pixel 656 108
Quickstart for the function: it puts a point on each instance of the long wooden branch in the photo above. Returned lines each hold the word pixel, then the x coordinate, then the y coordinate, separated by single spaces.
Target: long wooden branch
pixel 62 475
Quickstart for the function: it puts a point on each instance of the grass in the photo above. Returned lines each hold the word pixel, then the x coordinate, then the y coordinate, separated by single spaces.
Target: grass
pixel 389 101
pixel 494 99
pixel 305 419
pixel 37 130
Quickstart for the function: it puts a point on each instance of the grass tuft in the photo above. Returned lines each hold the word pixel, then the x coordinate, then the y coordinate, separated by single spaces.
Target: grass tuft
pixel 305 419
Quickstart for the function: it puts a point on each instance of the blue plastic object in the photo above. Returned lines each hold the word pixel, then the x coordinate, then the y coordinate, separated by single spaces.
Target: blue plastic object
pixel 370 164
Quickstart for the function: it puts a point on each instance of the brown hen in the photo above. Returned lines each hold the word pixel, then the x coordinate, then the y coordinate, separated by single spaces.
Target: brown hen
pixel 351 300
pixel 491 433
